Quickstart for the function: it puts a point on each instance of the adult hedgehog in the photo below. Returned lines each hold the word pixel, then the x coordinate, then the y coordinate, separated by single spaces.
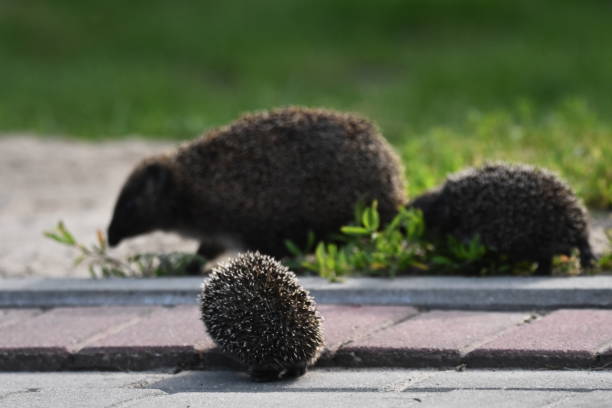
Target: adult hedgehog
pixel 524 212
pixel 265 178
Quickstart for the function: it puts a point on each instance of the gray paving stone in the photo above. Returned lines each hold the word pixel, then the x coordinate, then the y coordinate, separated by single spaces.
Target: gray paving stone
pixel 65 397
pixel 19 381
pixel 595 399
pixel 328 388
pixel 284 400
pixel 491 398
pixel 314 380
pixel 578 381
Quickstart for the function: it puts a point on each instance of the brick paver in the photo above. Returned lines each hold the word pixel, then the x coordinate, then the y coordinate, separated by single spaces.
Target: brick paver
pixel 142 338
pixel 166 337
pixel 564 338
pixel 343 323
pixel 437 337
pixel 44 341
pixel 9 317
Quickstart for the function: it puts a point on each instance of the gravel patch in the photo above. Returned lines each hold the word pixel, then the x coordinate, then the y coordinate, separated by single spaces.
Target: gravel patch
pixel 44 180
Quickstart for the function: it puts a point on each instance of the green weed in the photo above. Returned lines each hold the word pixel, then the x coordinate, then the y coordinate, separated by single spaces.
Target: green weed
pixel 102 265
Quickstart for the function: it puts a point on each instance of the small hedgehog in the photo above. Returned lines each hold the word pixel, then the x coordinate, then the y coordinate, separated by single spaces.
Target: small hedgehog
pixel 265 178
pixel 255 309
pixel 521 211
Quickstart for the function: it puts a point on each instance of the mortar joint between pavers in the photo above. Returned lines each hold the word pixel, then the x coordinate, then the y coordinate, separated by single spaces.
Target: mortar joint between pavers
pixel 402 386
pixel 136 398
pixel 532 317
pixel 378 329
pixel 109 331
pixel 607 346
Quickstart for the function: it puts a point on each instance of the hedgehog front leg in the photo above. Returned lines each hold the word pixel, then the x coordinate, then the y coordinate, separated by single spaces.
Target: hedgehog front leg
pixel 262 374
pixel 544 267
pixel 207 250
pixel 297 370
pixel 210 249
pixel 265 374
pixel 587 259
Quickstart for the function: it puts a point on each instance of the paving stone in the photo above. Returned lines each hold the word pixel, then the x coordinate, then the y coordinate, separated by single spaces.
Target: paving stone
pixel 435 338
pixel 343 323
pixel 44 342
pixel 565 338
pixel 594 399
pixel 9 317
pixel 66 327
pixel 328 388
pixel 168 337
pixel 365 380
pixel 543 380
pixel 304 399
pixel 491 398
pixel 19 381
pixel 66 397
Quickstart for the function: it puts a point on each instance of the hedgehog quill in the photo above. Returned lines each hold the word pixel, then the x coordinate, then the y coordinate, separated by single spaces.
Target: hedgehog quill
pixel 524 212
pixel 254 308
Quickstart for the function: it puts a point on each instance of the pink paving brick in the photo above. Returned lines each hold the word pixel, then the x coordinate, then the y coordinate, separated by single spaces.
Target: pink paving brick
pixel 66 328
pixel 9 317
pixel 565 338
pixel 168 337
pixel 439 336
pixel 344 323
pixel 179 326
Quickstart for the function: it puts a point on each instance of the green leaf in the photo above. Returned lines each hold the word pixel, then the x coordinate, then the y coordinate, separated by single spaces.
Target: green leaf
pixel 69 239
pixel 320 253
pixel 54 237
pixel 310 241
pixel 441 260
pixel 291 247
pixel 79 260
pixel 352 230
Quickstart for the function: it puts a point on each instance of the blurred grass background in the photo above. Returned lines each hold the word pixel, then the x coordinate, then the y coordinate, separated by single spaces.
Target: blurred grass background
pixel 451 83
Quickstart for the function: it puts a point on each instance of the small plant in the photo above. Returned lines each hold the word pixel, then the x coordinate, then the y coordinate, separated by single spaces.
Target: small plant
pixel 605 261
pixel 103 265
pixel 400 247
pixel 456 256
pixel 367 249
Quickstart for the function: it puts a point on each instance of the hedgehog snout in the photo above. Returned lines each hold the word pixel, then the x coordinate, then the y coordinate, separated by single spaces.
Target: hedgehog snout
pixel 113 235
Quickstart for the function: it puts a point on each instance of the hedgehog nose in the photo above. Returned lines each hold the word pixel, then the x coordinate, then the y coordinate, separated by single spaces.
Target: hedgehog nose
pixel 113 236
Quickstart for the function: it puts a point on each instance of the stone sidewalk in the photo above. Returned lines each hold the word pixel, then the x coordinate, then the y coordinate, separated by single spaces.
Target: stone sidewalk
pixel 331 388
pixel 144 338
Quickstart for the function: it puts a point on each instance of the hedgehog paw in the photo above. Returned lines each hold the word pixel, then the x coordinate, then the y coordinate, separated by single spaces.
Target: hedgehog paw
pixel 544 267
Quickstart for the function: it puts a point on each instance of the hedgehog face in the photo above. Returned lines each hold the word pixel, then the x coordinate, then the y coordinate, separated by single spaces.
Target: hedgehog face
pixel 434 212
pixel 142 203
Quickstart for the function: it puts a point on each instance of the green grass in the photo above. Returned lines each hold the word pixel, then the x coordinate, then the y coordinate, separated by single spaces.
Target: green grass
pixel 451 83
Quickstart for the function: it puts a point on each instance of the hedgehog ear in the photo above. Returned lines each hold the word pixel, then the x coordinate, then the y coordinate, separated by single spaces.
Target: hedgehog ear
pixel 157 179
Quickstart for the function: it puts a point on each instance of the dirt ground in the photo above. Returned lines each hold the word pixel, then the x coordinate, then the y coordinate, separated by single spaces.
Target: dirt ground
pixel 46 180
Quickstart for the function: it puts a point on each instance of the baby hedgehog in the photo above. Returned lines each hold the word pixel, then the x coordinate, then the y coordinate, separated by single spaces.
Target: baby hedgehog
pixel 523 212
pixel 265 178
pixel 255 309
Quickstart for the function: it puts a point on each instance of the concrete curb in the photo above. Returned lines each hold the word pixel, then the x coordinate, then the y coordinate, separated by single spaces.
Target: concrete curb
pixel 498 293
